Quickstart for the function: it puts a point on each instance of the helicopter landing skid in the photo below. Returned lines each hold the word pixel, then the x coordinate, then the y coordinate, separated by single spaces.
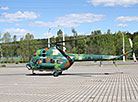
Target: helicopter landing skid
pixel 57 73
pixel 33 72
pixel 115 63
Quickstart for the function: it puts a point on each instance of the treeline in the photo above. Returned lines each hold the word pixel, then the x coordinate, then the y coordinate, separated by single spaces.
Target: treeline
pixel 108 44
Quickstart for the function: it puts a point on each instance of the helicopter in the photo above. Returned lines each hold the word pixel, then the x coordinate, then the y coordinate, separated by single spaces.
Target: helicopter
pixel 56 60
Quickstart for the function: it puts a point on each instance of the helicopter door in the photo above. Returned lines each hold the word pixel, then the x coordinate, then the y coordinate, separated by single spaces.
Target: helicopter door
pixel 59 61
pixel 34 63
pixel 44 61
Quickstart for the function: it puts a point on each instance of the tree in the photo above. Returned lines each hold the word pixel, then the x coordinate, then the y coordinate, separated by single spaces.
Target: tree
pixel 75 44
pixel 0 37
pixel 29 36
pixel 135 45
pixel 21 50
pixel 96 32
pixel 13 51
pixel 14 38
pixel 75 34
pixel 6 38
pixel 118 42
pixel 109 31
pixel 60 33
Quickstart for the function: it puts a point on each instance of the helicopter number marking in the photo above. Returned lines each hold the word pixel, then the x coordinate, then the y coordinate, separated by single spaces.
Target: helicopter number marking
pixel 80 57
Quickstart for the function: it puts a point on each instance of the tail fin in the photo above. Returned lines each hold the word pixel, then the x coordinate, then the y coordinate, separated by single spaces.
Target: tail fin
pixel 117 57
pixel 131 44
pixel 132 50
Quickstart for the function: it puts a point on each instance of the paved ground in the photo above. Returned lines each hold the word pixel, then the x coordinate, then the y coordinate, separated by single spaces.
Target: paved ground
pixel 83 82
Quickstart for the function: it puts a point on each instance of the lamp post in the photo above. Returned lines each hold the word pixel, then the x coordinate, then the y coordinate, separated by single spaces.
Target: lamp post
pixel 0 53
pixel 123 46
pixel 49 38
pixel 64 48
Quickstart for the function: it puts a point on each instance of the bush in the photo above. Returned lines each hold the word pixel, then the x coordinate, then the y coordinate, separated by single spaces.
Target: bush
pixel 3 65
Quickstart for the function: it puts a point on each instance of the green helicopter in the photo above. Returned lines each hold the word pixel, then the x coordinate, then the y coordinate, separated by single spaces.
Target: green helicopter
pixel 56 60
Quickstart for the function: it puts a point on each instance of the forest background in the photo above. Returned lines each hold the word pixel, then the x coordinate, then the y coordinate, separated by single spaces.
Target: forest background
pixel 108 44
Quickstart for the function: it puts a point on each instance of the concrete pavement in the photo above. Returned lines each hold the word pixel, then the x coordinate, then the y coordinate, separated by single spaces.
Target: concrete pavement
pixel 83 82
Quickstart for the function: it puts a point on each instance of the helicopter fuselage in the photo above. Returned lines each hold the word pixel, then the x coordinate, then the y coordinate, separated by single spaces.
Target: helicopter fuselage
pixel 56 60
pixel 50 59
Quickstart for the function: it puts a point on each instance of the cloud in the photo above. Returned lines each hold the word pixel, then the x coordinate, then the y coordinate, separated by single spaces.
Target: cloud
pixel 53 24
pixel 127 18
pixel 47 35
pixel 67 21
pixel 18 16
pixel 4 8
pixel 123 25
pixel 17 31
pixel 18 25
pixel 124 3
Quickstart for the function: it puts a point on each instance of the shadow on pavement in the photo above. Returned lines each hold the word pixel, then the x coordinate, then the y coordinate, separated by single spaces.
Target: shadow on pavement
pixel 74 74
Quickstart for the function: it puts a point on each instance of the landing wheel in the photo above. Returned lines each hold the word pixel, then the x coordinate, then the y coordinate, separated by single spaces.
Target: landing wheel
pixel 56 74
pixel 60 72
pixel 33 72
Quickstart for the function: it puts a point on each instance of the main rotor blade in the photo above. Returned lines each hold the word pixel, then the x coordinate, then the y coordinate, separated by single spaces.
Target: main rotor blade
pixel 24 44
pixel 90 36
pixel 37 44
pixel 54 43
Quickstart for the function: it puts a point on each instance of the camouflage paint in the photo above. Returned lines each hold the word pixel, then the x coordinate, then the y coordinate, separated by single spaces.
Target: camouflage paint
pixel 54 59
pixel 85 57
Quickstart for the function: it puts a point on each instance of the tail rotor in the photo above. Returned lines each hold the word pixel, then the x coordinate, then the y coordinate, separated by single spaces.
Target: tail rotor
pixel 131 44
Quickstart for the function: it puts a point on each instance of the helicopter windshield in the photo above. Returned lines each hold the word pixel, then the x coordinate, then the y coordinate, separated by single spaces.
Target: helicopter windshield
pixel 34 61
pixel 44 60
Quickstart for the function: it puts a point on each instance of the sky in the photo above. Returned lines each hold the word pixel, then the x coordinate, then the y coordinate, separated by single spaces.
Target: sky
pixel 19 17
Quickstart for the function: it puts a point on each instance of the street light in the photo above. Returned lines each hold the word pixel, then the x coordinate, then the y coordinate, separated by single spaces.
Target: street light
pixel 64 48
pixel 49 38
pixel 123 46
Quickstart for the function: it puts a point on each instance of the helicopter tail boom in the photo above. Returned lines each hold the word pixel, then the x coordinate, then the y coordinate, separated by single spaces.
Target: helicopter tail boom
pixel 86 57
pixel 117 57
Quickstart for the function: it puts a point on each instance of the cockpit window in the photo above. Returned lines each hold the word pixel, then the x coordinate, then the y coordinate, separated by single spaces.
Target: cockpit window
pixel 44 51
pixel 44 55
pixel 59 61
pixel 44 60
pixel 31 61
pixel 52 61
pixel 34 61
